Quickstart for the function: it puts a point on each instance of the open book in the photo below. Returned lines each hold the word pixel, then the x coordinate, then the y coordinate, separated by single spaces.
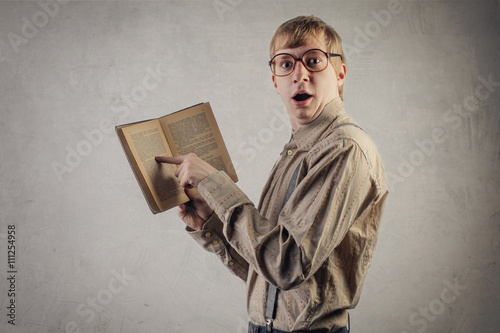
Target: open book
pixel 191 130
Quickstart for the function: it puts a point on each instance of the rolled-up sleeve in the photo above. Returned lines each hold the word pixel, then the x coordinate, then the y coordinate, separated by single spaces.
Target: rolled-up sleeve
pixel 337 189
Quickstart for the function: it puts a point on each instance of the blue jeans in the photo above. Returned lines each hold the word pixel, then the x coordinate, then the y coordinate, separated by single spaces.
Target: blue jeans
pixel 262 329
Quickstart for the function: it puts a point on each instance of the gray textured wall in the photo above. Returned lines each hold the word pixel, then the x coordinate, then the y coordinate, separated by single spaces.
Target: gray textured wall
pixel 423 80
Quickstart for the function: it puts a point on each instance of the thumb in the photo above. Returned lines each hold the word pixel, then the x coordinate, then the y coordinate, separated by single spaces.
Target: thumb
pixel 194 195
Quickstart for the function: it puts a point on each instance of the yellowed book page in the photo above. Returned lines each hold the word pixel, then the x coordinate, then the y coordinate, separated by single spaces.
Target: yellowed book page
pixel 146 141
pixel 195 130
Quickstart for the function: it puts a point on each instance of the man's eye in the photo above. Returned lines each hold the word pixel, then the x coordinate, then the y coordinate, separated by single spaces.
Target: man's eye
pixel 313 62
pixel 286 64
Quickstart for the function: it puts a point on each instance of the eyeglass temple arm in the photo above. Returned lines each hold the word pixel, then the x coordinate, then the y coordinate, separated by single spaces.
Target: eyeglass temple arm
pixel 332 55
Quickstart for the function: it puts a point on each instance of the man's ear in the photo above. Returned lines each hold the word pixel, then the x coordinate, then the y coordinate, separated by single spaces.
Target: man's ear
pixel 275 85
pixel 341 75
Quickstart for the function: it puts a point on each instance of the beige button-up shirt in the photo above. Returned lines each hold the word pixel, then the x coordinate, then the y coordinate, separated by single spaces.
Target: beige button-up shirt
pixel 318 248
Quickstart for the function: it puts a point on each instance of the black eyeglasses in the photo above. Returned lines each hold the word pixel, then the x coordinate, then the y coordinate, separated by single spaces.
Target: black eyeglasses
pixel 314 60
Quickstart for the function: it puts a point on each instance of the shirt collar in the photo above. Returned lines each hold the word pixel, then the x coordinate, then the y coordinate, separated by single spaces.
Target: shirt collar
pixel 310 133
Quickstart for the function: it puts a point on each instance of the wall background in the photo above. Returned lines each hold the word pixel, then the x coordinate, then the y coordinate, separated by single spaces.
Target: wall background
pixel 423 80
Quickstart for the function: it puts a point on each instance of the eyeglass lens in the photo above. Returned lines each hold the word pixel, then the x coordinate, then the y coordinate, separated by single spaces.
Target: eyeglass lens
pixel 313 60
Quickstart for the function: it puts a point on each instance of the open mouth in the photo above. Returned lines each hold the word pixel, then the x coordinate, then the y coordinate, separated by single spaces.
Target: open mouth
pixel 301 97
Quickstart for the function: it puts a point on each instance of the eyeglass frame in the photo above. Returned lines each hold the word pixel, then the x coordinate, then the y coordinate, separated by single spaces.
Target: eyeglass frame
pixel 327 54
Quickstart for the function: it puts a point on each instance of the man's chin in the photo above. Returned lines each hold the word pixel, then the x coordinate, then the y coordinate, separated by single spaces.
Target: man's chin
pixel 304 115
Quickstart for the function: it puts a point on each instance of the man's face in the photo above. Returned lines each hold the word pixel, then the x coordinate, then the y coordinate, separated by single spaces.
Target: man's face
pixel 306 93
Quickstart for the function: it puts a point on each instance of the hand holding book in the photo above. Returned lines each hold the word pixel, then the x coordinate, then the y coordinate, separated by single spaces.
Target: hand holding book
pixel 192 136
pixel 196 211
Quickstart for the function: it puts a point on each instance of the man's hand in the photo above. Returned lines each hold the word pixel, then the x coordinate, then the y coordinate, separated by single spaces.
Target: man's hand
pixel 191 171
pixel 195 212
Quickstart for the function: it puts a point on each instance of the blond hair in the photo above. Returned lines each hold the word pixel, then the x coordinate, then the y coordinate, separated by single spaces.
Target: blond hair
pixel 299 31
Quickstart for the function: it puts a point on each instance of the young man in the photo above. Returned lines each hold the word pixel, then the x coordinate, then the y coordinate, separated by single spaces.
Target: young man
pixel 315 228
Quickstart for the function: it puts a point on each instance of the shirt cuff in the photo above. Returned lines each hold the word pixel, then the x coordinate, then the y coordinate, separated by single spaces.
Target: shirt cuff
pixel 222 194
pixel 210 236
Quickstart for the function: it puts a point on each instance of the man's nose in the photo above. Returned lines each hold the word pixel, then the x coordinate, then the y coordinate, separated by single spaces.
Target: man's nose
pixel 300 73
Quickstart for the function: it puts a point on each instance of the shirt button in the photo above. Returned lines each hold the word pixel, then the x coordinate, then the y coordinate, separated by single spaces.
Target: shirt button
pixel 289 153
pixel 215 242
pixel 231 263
pixel 208 234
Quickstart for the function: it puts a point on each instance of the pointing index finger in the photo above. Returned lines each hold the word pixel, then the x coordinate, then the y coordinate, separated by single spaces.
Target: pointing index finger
pixel 170 159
